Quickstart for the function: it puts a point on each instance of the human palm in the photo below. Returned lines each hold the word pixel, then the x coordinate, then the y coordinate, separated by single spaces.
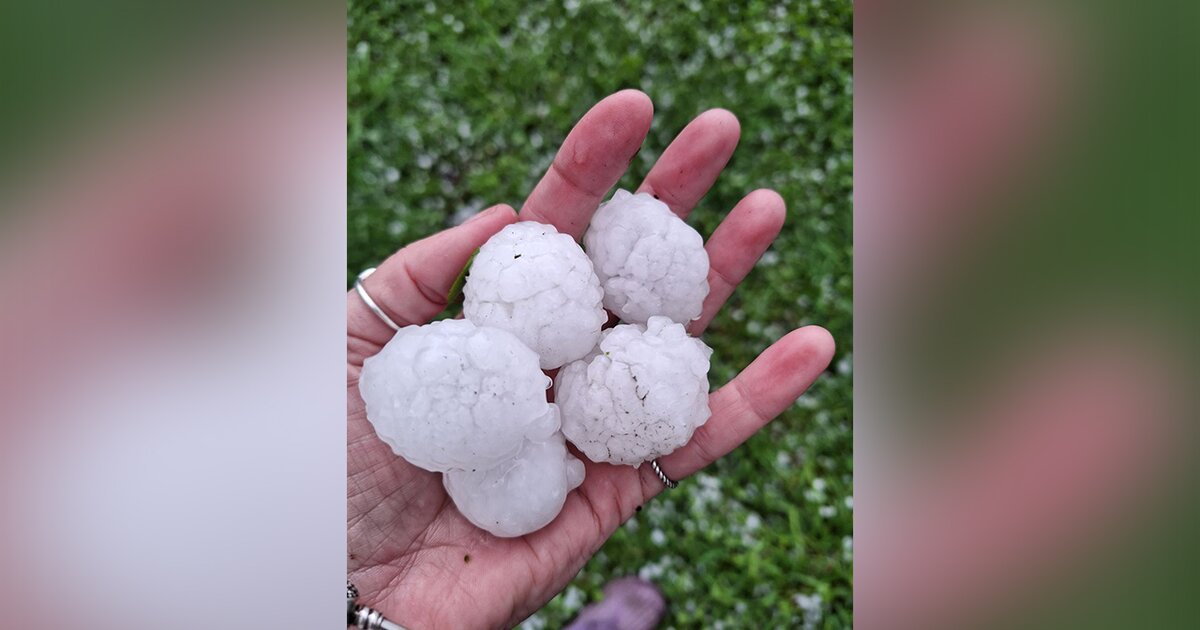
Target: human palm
pixel 411 554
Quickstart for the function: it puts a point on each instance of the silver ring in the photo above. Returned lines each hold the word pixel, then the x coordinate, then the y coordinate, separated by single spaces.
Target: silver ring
pixel 662 476
pixel 363 617
pixel 362 293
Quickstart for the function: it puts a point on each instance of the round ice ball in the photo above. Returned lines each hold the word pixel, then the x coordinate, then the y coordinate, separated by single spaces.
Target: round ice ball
pixel 649 261
pixel 639 395
pixel 453 395
pixel 537 284
pixel 520 495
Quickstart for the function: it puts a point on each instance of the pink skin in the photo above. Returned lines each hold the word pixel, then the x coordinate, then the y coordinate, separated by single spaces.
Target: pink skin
pixel 407 543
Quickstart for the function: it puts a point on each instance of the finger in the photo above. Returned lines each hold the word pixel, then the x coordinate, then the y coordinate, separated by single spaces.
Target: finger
pixel 736 246
pixel 690 165
pixel 591 160
pixel 412 285
pixel 753 398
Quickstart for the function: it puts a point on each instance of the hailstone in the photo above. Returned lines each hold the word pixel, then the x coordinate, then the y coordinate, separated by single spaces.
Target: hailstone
pixel 537 284
pixel 452 395
pixel 649 261
pixel 521 495
pixel 639 395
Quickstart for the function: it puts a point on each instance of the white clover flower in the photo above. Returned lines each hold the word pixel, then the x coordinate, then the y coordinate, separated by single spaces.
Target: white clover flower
pixel 520 495
pixel 649 261
pixel 651 571
pixel 538 285
pixel 638 396
pixel 452 395
pixel 813 607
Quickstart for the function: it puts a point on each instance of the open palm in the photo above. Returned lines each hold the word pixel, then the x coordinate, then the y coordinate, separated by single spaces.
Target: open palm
pixel 412 555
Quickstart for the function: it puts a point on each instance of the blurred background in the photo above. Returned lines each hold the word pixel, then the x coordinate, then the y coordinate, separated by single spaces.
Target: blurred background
pixel 452 110
pixel 1025 314
pixel 172 190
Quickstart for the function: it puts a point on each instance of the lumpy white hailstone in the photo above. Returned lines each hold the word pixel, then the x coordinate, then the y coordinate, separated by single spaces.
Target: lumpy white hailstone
pixel 649 261
pixel 639 395
pixel 451 395
pixel 537 284
pixel 467 398
pixel 521 495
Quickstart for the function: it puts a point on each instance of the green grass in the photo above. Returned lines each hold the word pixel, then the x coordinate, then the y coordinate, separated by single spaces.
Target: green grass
pixel 454 110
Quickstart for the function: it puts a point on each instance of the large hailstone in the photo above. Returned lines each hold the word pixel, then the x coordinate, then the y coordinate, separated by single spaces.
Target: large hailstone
pixel 521 495
pixel 452 395
pixel 538 285
pixel 649 261
pixel 638 396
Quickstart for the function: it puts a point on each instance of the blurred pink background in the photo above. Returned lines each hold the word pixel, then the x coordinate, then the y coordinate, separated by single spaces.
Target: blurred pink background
pixel 1024 346
pixel 171 336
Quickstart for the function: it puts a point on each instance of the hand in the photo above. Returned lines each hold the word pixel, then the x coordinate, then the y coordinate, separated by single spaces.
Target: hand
pixel 412 555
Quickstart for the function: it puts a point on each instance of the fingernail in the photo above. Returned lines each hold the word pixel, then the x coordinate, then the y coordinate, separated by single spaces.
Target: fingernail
pixel 479 215
pixel 488 212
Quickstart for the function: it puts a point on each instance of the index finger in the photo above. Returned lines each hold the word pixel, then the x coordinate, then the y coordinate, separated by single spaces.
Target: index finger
pixel 591 160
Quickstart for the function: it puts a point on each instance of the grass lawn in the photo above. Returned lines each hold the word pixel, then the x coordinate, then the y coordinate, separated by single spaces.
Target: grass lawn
pixel 453 110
